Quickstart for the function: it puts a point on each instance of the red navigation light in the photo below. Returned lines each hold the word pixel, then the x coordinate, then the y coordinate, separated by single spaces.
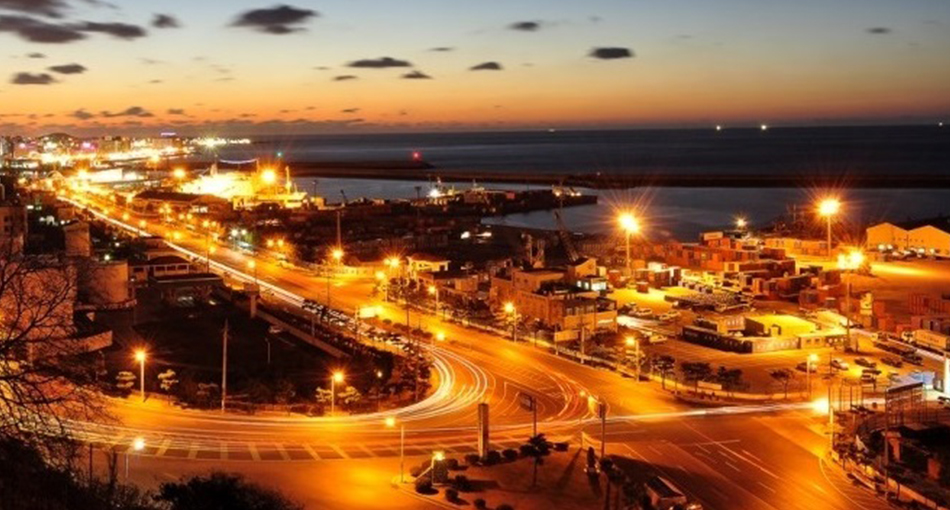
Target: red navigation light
pixel 416 156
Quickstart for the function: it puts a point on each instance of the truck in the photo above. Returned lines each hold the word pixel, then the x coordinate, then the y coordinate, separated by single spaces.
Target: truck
pixel 932 340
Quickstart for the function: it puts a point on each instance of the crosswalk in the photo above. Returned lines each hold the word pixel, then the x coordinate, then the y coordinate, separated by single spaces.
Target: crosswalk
pixel 259 451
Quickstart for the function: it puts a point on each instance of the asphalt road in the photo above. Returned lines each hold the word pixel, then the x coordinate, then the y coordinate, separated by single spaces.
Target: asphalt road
pixel 749 457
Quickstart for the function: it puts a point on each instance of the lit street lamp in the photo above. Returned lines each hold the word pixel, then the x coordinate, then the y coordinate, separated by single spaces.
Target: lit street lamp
pixel 138 444
pixel 811 360
pixel 513 314
pixel 828 208
pixel 632 342
pixel 741 223
pixel 630 225
pixel 337 378
pixel 252 265
pixel 140 356
pixel 434 291
pixel 391 423
pixel 848 264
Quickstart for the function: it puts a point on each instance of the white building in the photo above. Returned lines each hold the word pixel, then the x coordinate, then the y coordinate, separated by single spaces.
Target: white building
pixel 932 236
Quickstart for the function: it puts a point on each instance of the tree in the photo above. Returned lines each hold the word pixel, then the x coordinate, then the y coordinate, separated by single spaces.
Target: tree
pixel 694 371
pixel 538 448
pixel 783 376
pixel 42 378
pixel 350 397
pixel 729 378
pixel 168 380
pixel 284 391
pixel 220 491
pixel 665 366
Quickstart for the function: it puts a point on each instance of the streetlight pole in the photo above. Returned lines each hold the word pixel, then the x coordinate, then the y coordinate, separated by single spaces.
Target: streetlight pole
pixel 337 377
pixel 224 365
pixel 391 422
pixel 140 356
pixel 630 225
pixel 138 444
pixel 828 208
pixel 812 358
pixel 513 313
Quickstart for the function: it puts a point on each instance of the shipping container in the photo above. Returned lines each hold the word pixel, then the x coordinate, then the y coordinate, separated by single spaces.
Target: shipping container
pixel 931 340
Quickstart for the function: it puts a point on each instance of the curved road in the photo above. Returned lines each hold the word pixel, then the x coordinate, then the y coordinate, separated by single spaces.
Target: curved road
pixel 756 457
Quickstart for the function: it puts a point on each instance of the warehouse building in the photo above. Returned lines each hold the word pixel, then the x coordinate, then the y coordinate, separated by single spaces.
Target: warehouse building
pixel 930 236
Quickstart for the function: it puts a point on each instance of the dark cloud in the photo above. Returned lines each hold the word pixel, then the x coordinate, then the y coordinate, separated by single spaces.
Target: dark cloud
pixel 165 21
pixel 68 69
pixel 132 111
pixel 610 53
pixel 442 49
pixel 39 31
pixel 35 55
pixel 416 75
pixel 155 82
pixel 486 66
pixel 879 30
pixel 322 68
pixel 115 29
pixel 82 114
pixel 379 63
pixel 150 61
pixel 276 20
pixel 350 110
pixel 51 8
pixel 176 111
pixel 32 79
pixel 525 26
pixel 345 77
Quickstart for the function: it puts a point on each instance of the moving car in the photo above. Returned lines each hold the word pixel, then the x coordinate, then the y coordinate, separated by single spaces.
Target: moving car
pixel 670 316
pixel 864 362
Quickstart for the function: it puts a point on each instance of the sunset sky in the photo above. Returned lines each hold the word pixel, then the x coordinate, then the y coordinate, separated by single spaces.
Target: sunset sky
pixel 246 66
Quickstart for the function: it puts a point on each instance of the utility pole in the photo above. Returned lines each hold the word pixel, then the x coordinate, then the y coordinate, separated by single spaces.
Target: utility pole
pixel 224 365
pixel 339 230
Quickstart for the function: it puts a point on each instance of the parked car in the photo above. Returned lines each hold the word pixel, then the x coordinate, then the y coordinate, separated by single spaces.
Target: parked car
pixel 803 366
pixel 864 362
pixel 944 401
pixel 892 361
pixel 839 364
pixel 670 316
pixel 643 313
pixel 913 358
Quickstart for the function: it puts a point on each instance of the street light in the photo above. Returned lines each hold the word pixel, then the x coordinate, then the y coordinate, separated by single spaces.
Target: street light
pixel 140 356
pixel 269 176
pixel 252 265
pixel 337 378
pixel 440 336
pixel 434 291
pixel 391 423
pixel 513 313
pixel 630 225
pixel 178 173
pixel 848 264
pixel 811 360
pixel 828 208
pixel 337 255
pixel 138 444
pixel 741 223
pixel 632 342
